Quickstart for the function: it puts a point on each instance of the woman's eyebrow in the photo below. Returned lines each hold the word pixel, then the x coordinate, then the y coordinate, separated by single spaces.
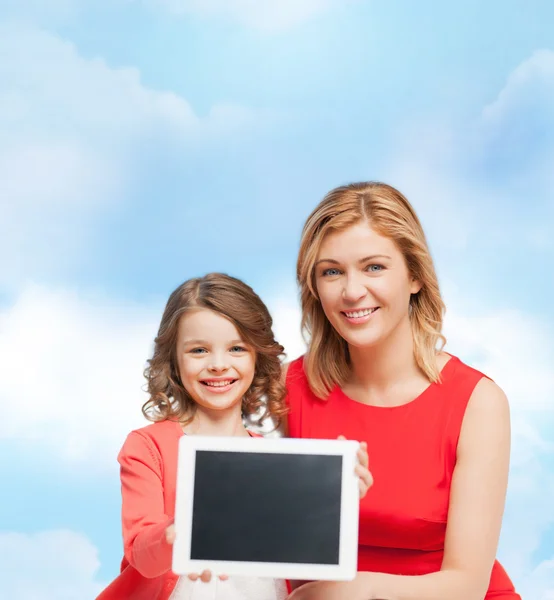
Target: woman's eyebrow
pixel 362 260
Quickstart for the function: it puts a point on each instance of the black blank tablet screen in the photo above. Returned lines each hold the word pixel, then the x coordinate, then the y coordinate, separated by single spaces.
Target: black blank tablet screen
pixel 264 507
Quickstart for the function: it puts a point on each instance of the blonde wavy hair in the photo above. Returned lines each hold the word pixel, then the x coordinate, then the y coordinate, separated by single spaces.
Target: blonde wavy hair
pixel 239 303
pixel 390 214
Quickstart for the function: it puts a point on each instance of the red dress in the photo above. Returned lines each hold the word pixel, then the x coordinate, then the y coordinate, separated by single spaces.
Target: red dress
pixel 412 453
pixel 148 462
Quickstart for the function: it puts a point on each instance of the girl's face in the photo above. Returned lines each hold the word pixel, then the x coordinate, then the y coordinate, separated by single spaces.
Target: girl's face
pixel 363 284
pixel 215 365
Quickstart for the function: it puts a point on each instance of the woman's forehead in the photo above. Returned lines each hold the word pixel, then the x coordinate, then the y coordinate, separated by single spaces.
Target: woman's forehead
pixel 355 242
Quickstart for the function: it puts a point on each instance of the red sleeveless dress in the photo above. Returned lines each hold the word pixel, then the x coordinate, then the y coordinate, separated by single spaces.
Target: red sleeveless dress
pixel 412 453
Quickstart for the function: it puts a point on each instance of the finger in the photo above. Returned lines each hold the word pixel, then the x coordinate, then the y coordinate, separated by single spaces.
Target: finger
pixel 224 577
pixel 364 474
pixel 193 576
pixel 362 455
pixel 206 576
pixel 170 534
pixel 341 437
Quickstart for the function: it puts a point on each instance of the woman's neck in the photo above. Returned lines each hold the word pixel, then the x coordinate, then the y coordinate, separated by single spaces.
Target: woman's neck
pixel 386 364
pixel 216 423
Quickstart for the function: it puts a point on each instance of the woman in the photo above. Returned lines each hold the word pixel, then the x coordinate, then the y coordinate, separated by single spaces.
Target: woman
pixel 438 431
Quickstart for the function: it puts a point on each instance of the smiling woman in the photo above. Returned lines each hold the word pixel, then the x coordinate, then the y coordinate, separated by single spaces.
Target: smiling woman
pixel 437 431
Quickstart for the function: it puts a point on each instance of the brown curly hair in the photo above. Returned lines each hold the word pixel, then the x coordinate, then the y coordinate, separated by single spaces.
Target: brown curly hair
pixel 238 302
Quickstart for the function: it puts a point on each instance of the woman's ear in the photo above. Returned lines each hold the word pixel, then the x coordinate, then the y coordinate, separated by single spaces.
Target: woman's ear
pixel 415 286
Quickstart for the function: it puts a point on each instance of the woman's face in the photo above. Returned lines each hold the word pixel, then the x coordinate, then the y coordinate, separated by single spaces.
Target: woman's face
pixel 363 284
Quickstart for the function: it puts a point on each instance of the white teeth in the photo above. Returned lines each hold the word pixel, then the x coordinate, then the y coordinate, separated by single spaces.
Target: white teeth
pixel 218 383
pixel 359 313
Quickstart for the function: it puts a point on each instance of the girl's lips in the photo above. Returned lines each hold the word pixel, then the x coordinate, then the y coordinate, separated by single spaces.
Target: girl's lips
pixel 216 386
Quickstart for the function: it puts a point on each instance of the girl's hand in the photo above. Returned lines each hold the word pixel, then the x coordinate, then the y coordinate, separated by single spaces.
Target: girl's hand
pixel 362 471
pixel 205 576
pixel 170 534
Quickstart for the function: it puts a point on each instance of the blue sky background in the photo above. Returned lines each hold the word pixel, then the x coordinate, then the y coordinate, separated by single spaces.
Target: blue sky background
pixel 145 142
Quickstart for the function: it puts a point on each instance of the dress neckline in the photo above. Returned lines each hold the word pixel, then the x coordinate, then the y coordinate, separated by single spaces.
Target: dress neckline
pixel 444 374
pixel 181 432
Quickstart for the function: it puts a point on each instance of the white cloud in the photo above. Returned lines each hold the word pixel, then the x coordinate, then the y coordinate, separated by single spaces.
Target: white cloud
pixel 540 584
pixel 510 346
pixel 49 565
pixel 489 179
pixel 72 128
pixel 529 87
pixel 73 382
pixel 51 13
pixel 516 130
pixel 421 170
pixel 266 16
pixel 285 310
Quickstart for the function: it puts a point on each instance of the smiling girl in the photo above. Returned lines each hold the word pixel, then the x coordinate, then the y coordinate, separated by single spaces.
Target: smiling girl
pixel 215 362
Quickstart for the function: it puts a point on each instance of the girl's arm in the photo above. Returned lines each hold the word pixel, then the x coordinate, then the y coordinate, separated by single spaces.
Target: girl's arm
pixel 143 518
pixel 475 513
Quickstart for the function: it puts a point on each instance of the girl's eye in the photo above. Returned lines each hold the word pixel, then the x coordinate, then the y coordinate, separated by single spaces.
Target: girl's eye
pixel 198 350
pixel 238 349
pixel 330 273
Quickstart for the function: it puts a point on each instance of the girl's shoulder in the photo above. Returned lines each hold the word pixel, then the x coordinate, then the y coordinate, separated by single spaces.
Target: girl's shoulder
pixel 160 430
pixel 153 438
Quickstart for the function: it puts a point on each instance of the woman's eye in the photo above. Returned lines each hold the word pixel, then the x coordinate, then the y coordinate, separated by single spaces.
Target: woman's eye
pixel 330 272
pixel 198 350
pixel 375 268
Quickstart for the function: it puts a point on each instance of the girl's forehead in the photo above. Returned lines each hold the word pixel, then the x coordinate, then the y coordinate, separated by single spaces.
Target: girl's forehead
pixel 203 323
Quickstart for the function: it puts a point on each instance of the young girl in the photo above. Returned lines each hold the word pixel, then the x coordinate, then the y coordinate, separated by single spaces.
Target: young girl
pixel 215 363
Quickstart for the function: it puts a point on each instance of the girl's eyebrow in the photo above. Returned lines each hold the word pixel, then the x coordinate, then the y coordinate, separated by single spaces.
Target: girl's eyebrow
pixel 362 260
pixel 205 342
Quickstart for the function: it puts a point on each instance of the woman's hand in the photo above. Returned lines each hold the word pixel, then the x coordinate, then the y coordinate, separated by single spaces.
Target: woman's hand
pixel 362 471
pixel 205 576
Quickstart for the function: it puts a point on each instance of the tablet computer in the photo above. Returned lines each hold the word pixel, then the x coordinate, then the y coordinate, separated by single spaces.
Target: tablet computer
pixel 282 508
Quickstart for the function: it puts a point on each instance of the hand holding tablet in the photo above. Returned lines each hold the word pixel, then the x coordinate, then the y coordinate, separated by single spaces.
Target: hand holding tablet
pixel 282 508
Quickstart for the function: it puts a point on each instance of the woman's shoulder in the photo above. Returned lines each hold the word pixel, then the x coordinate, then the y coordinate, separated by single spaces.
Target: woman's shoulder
pixel 455 370
pixel 293 371
pixel 470 385
pixel 292 366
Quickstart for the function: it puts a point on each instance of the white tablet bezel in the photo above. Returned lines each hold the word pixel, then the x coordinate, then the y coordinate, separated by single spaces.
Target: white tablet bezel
pixel 349 510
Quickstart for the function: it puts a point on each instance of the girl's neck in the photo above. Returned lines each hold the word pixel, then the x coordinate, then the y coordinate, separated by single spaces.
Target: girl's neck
pixel 386 364
pixel 216 423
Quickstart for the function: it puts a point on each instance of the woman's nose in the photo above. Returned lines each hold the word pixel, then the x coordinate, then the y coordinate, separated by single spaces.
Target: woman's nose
pixel 353 289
